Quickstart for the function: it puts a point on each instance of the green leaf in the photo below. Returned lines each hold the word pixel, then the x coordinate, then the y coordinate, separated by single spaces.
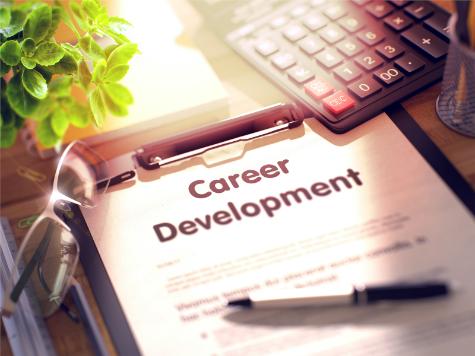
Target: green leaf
pixel 27 6
pixel 119 25
pixel 73 51
pixel 116 28
pixel 84 74
pixel 45 133
pixel 34 83
pixel 79 15
pixel 78 115
pixel 28 62
pixel 4 69
pixel 28 47
pixel 59 122
pixel 118 93
pixel 44 109
pixel 108 50
pixel 61 87
pixel 10 53
pixel 19 99
pixel 67 65
pixel 114 108
pixel 7 136
pixel 96 103
pixel 88 45
pixel 116 73
pixel 8 116
pixel 99 71
pixel 56 15
pixel 44 72
pixel 5 16
pixel 38 23
pixel 92 8
pixel 48 53
pixel 121 55
pixel 16 24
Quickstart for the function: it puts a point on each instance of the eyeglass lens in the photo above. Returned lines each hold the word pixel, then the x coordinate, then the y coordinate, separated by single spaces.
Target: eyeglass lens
pixel 45 265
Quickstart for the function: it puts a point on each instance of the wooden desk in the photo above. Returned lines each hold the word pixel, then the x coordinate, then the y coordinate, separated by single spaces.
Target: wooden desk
pixel 248 91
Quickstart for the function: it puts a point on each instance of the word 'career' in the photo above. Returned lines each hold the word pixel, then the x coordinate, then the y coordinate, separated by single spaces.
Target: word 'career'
pixel 200 189
pixel 269 205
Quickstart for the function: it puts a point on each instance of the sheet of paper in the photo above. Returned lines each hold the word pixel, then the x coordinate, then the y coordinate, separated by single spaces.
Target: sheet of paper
pixel 302 208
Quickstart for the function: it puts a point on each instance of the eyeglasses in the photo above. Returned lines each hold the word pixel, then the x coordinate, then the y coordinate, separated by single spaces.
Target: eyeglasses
pixel 48 256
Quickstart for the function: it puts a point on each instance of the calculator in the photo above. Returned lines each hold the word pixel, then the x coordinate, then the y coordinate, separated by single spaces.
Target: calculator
pixel 342 61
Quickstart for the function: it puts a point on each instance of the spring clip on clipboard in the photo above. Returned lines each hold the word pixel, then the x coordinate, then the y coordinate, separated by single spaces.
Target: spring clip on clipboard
pixel 245 127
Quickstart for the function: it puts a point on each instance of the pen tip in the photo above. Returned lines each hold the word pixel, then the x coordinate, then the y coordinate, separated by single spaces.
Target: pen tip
pixel 240 303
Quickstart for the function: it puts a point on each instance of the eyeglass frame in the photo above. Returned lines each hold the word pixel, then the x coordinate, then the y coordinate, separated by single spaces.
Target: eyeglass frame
pixel 56 196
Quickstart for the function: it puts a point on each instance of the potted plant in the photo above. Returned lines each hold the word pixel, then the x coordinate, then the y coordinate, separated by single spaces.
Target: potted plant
pixel 38 73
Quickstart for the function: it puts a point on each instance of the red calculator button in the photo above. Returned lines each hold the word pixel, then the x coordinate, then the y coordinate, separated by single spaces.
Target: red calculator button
pixel 318 89
pixel 338 102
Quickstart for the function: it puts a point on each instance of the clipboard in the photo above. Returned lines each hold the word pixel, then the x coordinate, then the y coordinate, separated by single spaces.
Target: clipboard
pixel 280 117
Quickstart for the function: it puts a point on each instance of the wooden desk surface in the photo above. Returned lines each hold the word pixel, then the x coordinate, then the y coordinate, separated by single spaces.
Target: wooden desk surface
pixel 21 198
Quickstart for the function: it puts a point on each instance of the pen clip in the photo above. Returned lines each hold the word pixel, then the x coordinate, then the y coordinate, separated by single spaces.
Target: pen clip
pixel 244 127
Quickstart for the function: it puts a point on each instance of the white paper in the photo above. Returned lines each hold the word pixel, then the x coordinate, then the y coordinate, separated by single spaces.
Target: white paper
pixel 402 223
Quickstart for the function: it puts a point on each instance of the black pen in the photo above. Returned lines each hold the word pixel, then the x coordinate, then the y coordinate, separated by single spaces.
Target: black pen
pixel 298 297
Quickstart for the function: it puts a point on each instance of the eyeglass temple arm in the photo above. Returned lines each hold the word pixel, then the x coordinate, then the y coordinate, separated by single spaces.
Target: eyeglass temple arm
pixel 87 318
pixel 116 180
pixel 32 263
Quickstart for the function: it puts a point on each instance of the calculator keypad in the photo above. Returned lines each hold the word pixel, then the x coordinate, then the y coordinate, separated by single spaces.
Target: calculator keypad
pixel 341 60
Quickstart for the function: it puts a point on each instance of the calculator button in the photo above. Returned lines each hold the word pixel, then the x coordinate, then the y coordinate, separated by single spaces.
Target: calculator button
pixel 314 21
pixel 426 41
pixel 351 23
pixel 266 47
pixel 398 22
pixel 438 24
pixel 318 89
pixel 409 63
pixel 311 45
pixel 283 60
pixel 389 50
pixel 329 58
pixel 299 11
pixel 399 3
pixel 369 61
pixel 338 102
pixel 331 34
pixel 300 74
pixel 334 12
pixel 419 10
pixel 350 47
pixel 364 87
pixel 347 72
pixel 388 75
pixel 279 22
pixel 370 37
pixel 379 9
pixel 294 32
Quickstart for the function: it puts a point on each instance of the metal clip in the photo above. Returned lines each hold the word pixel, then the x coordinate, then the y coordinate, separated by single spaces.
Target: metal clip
pixel 245 127
pixel 30 174
pixel 27 222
